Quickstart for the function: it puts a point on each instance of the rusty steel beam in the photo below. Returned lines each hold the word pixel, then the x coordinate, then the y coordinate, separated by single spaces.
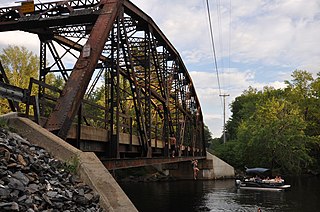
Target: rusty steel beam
pixel 73 45
pixel 68 104
pixel 13 94
pixel 70 12
pixel 131 9
pixel 113 164
pixel 78 47
pixel 137 99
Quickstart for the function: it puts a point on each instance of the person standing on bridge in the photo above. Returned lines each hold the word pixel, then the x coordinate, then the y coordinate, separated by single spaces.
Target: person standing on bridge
pixel 173 143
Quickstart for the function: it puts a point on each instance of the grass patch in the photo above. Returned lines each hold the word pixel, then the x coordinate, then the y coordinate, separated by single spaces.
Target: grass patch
pixel 72 164
pixel 4 123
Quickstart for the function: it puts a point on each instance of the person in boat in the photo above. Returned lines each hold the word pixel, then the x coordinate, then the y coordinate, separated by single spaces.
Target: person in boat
pixel 257 179
pixel 278 179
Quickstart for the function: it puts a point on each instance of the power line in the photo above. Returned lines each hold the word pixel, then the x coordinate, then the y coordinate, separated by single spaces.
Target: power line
pixel 230 10
pixel 213 46
pixel 221 47
pixel 215 58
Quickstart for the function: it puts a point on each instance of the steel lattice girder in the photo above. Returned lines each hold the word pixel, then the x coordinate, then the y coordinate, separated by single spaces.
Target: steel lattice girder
pixel 69 102
pixel 173 95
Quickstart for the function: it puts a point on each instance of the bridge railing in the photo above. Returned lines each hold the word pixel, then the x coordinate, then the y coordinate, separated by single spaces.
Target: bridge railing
pixel 45 101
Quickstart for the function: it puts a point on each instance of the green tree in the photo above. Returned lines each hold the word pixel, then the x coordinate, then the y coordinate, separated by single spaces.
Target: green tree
pixel 314 123
pixel 244 106
pixel 274 137
pixel 276 128
pixel 299 91
pixel 19 65
pixel 207 136
pixel 315 87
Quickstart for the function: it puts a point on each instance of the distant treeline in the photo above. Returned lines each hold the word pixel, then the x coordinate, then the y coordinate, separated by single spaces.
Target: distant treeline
pixel 275 128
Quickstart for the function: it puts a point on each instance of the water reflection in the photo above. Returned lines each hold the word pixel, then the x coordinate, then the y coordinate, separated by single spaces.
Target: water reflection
pixel 222 196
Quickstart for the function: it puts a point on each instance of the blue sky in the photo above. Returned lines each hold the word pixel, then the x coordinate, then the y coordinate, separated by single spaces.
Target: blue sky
pixel 258 43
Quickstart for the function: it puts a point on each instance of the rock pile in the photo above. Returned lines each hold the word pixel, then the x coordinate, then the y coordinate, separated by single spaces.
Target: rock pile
pixel 31 180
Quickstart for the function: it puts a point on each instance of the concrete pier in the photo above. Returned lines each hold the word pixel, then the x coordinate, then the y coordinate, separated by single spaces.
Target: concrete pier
pixel 211 168
pixel 220 169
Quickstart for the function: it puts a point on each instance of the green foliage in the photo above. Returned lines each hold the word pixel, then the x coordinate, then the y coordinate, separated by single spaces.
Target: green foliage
pixel 275 128
pixel 3 123
pixel 72 164
pixel 230 152
pixel 207 136
pixel 19 65
pixel 215 142
pixel 300 91
pixel 274 137
pixel 313 146
pixel 4 106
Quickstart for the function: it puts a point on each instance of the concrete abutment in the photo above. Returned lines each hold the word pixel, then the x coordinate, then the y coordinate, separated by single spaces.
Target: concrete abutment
pixel 211 168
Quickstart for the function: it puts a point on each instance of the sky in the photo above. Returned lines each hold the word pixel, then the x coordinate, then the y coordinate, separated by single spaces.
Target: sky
pixel 257 43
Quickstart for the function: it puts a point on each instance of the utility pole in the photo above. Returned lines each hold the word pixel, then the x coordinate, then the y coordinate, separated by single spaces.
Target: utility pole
pixel 224 116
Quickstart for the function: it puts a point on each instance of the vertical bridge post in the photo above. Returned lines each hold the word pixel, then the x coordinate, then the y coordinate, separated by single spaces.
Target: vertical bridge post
pixel 68 104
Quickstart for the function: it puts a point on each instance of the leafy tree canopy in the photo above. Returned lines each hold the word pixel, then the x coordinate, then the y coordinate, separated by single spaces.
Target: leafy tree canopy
pixel 276 128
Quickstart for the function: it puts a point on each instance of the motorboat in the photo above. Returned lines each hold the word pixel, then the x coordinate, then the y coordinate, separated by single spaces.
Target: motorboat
pixel 260 179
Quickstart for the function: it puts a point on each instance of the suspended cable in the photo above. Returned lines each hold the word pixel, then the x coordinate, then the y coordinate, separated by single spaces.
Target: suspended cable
pixel 221 52
pixel 229 56
pixel 215 60
pixel 213 46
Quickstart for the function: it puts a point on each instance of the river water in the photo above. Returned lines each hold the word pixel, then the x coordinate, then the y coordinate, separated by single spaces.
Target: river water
pixel 222 195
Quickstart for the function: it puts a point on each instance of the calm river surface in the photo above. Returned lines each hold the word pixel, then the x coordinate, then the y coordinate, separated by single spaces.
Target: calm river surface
pixel 221 195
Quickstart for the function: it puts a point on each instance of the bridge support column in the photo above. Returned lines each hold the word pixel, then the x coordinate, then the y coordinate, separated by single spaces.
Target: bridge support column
pixel 210 169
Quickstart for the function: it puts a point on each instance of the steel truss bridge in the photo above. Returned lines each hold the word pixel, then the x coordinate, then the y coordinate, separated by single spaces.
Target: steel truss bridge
pixel 148 95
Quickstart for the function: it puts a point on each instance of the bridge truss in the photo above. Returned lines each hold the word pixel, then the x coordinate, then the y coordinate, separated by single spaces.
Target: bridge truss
pixel 147 91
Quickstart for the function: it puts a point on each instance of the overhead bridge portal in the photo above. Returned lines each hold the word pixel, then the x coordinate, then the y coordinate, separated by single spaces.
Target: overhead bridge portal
pixel 148 106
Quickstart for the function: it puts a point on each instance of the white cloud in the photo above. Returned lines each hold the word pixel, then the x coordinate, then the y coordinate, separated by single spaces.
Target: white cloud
pixel 277 33
pixel 215 124
pixel 7 3
pixel 20 38
pixel 208 92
